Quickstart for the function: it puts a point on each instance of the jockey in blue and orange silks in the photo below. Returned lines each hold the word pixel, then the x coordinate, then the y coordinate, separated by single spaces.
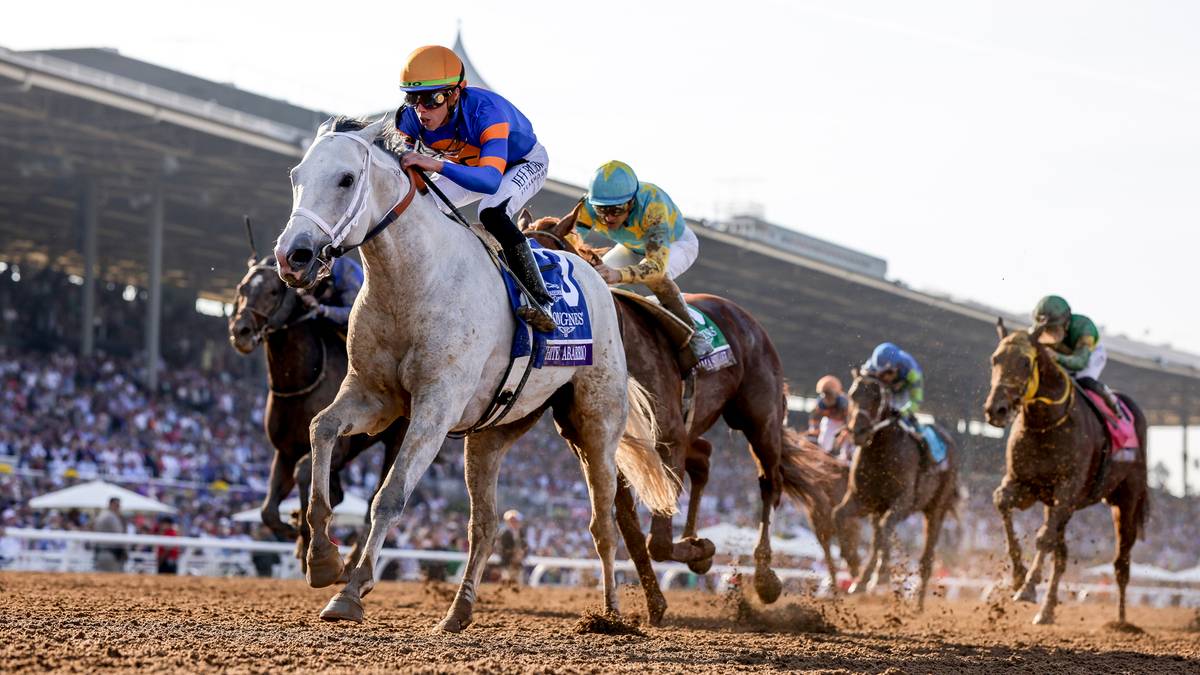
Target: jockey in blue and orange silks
pixel 654 245
pixel 486 151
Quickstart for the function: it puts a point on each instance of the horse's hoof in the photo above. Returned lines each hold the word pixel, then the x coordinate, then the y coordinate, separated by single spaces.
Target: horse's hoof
pixel 701 566
pixel 707 548
pixel 856 588
pixel 655 611
pixel 452 624
pixel 1028 593
pixel 767 585
pixel 343 607
pixel 1043 618
pixel 324 569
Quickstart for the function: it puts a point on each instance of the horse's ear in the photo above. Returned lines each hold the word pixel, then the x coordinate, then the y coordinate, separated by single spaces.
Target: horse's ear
pixel 567 224
pixel 326 126
pixel 375 129
pixel 1000 329
pixel 524 219
pixel 251 261
pixel 854 372
pixel 1035 336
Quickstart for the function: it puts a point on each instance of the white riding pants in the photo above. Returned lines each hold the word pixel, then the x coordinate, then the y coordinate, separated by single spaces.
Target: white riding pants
pixel 681 254
pixel 519 184
pixel 1095 364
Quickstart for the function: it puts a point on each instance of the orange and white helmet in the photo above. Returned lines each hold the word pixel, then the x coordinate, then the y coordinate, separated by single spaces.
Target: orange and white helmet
pixel 430 68
pixel 829 385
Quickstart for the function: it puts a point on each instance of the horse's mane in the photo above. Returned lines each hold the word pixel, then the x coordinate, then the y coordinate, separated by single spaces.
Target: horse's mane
pixel 391 140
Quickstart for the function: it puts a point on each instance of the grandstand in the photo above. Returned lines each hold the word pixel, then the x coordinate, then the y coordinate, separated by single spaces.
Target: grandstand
pixel 117 171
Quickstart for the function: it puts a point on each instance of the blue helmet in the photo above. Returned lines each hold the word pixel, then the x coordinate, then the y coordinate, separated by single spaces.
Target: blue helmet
pixel 886 356
pixel 614 183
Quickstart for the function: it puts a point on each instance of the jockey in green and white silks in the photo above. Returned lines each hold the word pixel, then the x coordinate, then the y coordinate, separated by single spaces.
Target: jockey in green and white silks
pixel 1075 341
pixel 654 245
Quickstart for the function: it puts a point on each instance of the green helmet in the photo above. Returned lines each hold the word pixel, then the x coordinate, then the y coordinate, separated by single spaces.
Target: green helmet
pixel 1051 310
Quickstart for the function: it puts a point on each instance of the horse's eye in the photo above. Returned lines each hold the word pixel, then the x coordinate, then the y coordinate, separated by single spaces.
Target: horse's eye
pixel 346 181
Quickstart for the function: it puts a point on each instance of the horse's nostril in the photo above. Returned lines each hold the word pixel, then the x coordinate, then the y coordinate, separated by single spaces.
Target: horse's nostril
pixel 243 330
pixel 300 257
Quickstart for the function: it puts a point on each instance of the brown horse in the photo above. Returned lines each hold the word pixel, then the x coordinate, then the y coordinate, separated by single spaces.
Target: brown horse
pixel 1057 455
pixel 306 362
pixel 751 397
pixel 888 482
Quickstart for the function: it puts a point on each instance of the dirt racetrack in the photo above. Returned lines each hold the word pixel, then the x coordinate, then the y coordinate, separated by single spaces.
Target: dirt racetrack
pixel 92 622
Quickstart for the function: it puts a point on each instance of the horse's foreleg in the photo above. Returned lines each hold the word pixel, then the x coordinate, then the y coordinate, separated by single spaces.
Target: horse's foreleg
pixel 933 527
pixel 482 454
pixel 281 482
pixel 1046 614
pixel 846 523
pixel 1028 590
pixel 766 583
pixel 696 465
pixel 1005 498
pixel 352 411
pixel 426 431
pixel 635 543
pixel 860 584
pixel 882 576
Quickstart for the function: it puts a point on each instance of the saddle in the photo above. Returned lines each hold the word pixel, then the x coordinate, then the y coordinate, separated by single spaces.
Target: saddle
pixel 677 332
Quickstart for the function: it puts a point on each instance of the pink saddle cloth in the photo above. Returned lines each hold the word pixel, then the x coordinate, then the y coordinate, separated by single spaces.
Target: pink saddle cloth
pixel 1120 430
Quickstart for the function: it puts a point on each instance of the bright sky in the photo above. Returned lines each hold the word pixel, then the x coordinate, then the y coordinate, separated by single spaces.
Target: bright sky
pixel 993 150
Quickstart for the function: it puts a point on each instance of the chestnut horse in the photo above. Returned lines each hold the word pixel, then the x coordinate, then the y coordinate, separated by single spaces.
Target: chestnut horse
pixel 751 397
pixel 1056 455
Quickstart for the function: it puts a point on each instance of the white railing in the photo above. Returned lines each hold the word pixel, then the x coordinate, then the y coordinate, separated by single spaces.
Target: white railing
pixel 69 551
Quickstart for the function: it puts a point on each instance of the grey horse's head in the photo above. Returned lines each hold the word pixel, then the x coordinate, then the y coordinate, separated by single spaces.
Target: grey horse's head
pixel 336 192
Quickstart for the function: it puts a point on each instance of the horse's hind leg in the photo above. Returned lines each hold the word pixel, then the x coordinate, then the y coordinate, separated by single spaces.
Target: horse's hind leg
pixel 1128 505
pixel 696 465
pixel 635 542
pixel 483 452
pixel 767 446
pixel 594 437
pixel 1008 496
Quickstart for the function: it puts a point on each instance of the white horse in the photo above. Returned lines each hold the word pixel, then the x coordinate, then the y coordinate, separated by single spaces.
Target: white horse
pixel 430 337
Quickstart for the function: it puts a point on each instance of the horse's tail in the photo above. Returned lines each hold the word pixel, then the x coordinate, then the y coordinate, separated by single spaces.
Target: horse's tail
pixel 810 475
pixel 638 458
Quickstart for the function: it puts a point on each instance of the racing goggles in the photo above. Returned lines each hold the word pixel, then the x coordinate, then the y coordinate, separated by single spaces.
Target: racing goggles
pixel 613 210
pixel 428 99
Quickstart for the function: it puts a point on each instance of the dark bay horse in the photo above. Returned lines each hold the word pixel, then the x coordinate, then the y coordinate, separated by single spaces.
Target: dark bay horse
pixel 888 483
pixel 306 362
pixel 1056 455
pixel 750 396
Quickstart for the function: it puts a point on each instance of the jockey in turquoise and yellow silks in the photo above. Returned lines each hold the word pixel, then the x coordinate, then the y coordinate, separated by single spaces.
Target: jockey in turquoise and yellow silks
pixel 654 245
pixel 1075 341
pixel 486 151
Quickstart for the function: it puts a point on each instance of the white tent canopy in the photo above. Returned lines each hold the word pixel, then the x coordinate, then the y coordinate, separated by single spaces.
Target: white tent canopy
pixel 733 540
pixel 351 511
pixel 95 495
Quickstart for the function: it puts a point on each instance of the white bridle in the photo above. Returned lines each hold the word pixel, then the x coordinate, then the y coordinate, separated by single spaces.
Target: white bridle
pixel 358 204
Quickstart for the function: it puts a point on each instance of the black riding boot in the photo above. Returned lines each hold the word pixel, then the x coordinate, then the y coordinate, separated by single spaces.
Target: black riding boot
pixel 520 260
pixel 1109 396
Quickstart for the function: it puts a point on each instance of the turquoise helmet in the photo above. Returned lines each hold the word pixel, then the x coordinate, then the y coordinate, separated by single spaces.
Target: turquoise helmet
pixel 614 183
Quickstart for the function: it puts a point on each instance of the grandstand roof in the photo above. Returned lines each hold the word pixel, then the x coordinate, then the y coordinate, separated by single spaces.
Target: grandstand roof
pixel 70 116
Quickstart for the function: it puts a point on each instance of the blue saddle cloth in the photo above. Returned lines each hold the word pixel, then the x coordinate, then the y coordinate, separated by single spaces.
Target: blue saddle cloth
pixel 571 342
pixel 937 445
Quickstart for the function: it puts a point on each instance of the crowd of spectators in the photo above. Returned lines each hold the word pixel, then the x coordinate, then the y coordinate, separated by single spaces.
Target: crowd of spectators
pixel 197 444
